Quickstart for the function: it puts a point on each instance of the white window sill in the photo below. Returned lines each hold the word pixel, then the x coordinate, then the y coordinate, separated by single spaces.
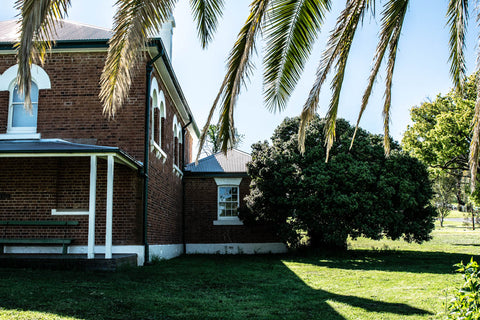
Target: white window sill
pixel 70 212
pixel 228 222
pixel 177 171
pixel 159 153
pixel 16 136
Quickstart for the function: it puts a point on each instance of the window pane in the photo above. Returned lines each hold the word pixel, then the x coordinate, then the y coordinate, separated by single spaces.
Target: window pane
pixel 231 205
pixel 234 195
pixel 224 194
pixel 23 118
pixel 17 97
pixel 221 210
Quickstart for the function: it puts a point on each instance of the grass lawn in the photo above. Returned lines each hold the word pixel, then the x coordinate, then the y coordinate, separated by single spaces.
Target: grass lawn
pixel 373 280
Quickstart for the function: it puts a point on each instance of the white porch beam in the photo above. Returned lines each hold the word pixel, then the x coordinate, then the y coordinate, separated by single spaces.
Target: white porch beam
pixel 91 207
pixel 109 217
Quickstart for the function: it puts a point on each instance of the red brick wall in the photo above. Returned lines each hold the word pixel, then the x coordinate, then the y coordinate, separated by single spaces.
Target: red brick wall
pixel 165 194
pixel 71 110
pixel 31 187
pixel 201 211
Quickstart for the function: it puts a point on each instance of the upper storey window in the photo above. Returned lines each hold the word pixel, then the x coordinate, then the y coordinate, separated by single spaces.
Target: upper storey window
pixel 20 119
pixel 157 103
pixel 22 124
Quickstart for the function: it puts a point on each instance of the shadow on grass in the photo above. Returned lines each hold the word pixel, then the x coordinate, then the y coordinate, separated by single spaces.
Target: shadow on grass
pixel 205 287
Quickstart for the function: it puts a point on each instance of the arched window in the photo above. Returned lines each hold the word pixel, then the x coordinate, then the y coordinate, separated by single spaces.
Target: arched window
pixel 161 123
pixel 157 103
pixel 177 128
pixel 180 145
pixel 175 144
pixel 23 123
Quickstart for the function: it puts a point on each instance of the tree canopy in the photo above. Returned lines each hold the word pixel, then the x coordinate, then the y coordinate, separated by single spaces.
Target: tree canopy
pixel 440 134
pixel 213 144
pixel 358 192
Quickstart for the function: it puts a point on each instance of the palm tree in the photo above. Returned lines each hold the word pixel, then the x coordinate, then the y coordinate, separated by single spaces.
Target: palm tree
pixel 289 28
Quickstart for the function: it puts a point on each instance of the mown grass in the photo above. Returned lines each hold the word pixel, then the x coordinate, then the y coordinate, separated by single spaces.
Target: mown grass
pixel 372 280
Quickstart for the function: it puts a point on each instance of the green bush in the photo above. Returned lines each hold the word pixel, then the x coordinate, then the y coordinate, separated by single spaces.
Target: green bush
pixel 466 303
pixel 358 192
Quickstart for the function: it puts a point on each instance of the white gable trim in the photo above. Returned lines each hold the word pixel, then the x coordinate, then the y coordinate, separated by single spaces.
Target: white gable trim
pixel 39 76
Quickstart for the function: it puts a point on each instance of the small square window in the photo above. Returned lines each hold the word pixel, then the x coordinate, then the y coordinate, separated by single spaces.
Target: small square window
pixel 228 201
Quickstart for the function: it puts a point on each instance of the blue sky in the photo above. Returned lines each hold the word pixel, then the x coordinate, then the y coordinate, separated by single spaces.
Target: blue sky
pixel 421 72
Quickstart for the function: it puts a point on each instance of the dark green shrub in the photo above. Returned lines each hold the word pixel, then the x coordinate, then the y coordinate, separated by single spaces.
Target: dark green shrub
pixel 358 192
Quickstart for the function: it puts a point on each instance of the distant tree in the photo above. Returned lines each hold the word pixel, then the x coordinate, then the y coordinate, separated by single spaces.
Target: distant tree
pixel 357 193
pixel 441 132
pixel 213 143
pixel 444 186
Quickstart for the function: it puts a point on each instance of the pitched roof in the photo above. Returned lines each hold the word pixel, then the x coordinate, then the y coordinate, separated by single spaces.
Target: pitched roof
pixel 234 162
pixel 65 31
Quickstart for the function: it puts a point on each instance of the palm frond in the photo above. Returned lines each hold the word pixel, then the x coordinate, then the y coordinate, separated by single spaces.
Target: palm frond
pixel 134 21
pixel 475 142
pixel 457 20
pixel 389 21
pixel 395 13
pixel 339 39
pixel 293 27
pixel 37 25
pixel 206 14
pixel 238 69
pixel 338 48
pixel 393 16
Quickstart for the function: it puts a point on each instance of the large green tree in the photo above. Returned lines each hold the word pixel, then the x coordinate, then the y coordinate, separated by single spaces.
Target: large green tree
pixel 440 133
pixel 440 136
pixel 358 192
pixel 289 28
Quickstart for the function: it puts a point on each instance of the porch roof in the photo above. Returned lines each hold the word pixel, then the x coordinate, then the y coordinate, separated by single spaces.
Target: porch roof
pixel 61 148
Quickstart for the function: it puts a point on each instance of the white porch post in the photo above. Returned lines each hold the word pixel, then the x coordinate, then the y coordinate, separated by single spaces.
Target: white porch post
pixel 109 218
pixel 91 207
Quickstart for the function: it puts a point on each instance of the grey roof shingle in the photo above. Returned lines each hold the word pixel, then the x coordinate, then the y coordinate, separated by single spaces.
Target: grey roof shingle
pixel 234 162
pixel 65 31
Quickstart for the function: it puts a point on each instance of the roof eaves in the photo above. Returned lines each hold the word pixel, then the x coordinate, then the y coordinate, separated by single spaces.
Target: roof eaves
pixel 158 43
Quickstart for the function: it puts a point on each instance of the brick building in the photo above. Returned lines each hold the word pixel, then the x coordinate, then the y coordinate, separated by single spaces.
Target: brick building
pixel 73 180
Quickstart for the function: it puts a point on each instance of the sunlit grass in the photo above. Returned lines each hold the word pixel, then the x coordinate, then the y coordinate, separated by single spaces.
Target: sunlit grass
pixel 29 315
pixel 372 280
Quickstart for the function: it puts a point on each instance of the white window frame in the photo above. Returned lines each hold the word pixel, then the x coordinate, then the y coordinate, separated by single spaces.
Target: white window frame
pixel 227 182
pixel 19 130
pixel 7 82
pixel 157 98
pixel 176 128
